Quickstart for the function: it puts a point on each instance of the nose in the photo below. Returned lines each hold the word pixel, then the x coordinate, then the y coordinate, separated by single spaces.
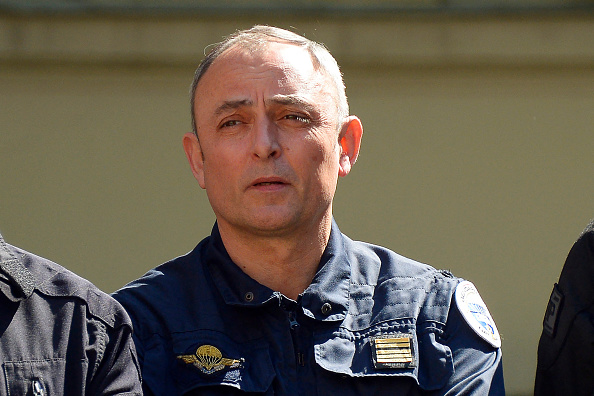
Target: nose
pixel 266 144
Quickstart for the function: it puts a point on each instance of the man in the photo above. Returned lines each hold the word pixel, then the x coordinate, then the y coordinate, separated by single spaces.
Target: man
pixel 566 348
pixel 277 301
pixel 59 334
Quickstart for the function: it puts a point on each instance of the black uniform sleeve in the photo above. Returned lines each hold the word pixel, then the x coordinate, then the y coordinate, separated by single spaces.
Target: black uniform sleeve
pixel 565 364
pixel 116 370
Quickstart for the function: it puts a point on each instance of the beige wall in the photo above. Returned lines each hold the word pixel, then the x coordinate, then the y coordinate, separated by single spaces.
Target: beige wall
pixel 477 152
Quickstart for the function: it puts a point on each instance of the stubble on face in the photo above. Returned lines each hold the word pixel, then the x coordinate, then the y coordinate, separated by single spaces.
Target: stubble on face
pixel 245 80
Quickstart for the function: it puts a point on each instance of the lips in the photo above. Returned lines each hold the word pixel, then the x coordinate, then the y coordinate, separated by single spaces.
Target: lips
pixel 268 181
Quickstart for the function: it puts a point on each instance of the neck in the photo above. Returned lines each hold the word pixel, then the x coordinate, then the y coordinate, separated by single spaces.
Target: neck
pixel 284 263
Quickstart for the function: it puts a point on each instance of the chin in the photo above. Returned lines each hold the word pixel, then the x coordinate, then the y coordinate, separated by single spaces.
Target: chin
pixel 271 228
pixel 273 225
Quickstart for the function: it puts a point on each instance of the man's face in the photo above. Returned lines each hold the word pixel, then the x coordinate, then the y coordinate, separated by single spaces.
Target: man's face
pixel 267 151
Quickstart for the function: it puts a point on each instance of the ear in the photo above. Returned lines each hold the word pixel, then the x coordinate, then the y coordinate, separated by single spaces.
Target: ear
pixel 350 142
pixel 195 157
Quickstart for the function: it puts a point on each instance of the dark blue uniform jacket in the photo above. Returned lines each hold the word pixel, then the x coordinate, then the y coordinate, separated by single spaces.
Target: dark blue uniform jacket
pixel 371 323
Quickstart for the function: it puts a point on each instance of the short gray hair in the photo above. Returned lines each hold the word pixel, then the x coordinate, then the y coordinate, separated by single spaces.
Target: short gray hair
pixel 257 38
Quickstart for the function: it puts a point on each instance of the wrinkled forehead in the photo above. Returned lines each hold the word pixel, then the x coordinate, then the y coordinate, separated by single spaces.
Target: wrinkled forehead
pixel 283 67
pixel 290 58
pixel 280 62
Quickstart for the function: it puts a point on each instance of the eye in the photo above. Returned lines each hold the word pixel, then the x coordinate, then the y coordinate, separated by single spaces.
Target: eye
pixel 230 123
pixel 298 117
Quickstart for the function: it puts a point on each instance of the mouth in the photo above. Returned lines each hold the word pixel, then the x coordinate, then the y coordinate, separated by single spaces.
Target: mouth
pixel 267 183
pixel 264 182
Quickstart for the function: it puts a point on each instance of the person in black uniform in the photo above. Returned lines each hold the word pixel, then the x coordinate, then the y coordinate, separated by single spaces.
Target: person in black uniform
pixel 565 364
pixel 59 334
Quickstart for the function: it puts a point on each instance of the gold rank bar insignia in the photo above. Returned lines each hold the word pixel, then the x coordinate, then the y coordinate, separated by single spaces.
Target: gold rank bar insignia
pixel 392 351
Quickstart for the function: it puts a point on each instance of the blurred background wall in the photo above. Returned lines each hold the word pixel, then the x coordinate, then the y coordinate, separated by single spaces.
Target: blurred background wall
pixel 477 154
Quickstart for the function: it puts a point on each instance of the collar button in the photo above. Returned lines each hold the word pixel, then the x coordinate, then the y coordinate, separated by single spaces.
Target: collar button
pixel 326 309
pixel 249 296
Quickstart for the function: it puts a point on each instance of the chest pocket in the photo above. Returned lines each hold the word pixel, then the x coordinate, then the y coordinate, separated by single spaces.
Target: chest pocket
pixel 206 361
pixel 384 359
pixel 35 377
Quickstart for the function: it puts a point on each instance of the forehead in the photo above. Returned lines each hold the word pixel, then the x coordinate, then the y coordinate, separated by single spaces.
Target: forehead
pixel 280 66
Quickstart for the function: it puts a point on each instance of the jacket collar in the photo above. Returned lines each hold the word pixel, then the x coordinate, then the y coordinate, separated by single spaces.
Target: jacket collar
pixel 326 298
pixel 20 280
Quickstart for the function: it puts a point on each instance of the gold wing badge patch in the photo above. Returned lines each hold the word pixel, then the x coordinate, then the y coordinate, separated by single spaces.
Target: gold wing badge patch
pixel 209 360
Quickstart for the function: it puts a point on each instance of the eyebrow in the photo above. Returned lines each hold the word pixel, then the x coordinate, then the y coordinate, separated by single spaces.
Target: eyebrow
pixel 293 100
pixel 232 105
pixel 285 100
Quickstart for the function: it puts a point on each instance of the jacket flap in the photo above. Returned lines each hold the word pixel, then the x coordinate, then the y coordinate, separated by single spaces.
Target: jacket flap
pixel 386 350
pixel 208 358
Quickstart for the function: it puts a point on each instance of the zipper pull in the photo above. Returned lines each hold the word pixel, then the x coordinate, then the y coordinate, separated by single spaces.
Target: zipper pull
pixel 292 320
pixel 301 359
pixel 38 388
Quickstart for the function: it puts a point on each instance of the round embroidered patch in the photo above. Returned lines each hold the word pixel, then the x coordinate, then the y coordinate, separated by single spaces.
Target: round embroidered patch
pixel 476 314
